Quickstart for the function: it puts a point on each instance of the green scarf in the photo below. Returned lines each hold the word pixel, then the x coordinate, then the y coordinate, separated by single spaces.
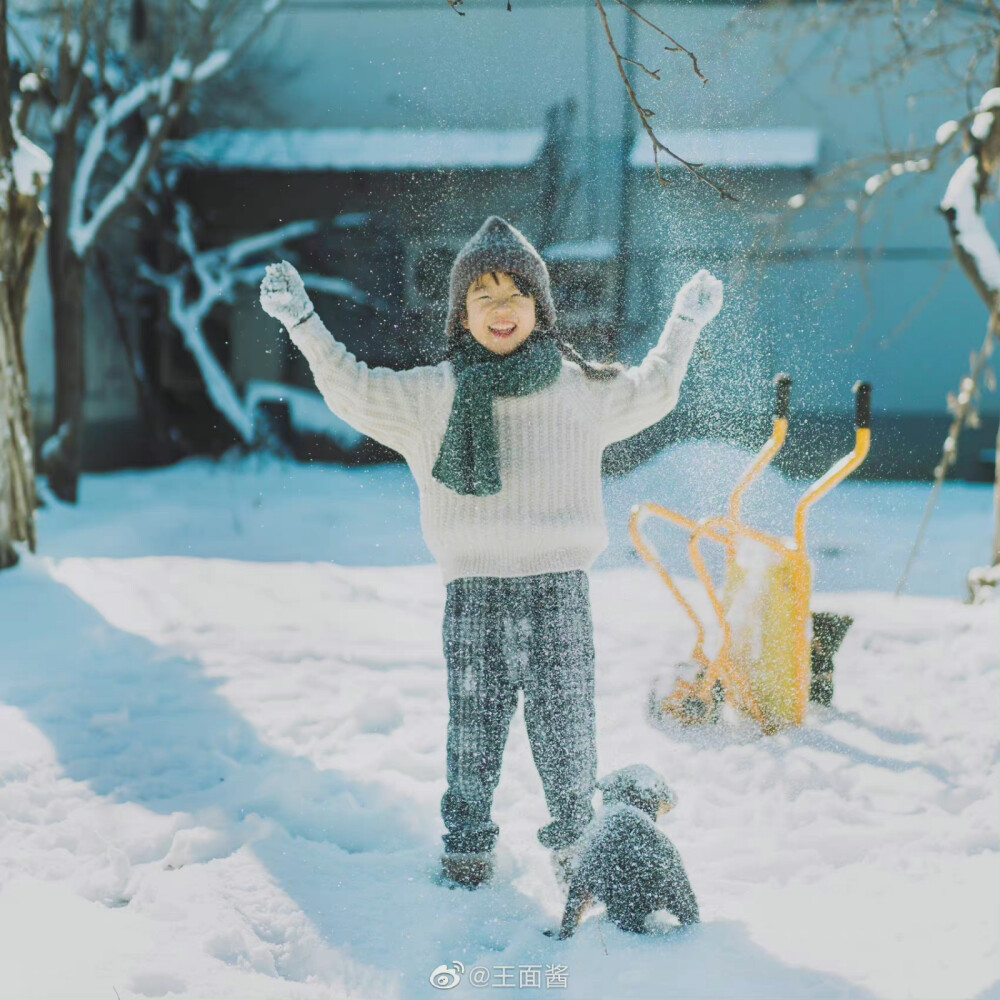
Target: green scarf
pixel 469 461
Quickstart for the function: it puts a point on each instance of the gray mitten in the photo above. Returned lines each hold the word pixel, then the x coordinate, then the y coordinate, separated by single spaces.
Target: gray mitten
pixel 283 295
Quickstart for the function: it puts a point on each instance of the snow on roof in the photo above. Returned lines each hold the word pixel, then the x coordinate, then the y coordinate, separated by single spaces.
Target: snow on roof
pixel 761 148
pixel 581 250
pixel 357 149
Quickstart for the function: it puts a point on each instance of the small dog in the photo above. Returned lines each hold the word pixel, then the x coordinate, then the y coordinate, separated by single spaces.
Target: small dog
pixel 625 861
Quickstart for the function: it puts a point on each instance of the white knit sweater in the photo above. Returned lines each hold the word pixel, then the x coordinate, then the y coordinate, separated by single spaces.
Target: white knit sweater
pixel 549 515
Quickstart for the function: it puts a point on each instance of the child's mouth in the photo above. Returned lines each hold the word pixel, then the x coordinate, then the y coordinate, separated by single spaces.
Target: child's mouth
pixel 504 330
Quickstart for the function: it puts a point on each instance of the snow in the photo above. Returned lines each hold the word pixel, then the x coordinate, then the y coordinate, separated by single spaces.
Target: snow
pixel 639 777
pixel 946 131
pixel 581 250
pixel 774 148
pixel 54 444
pixel 873 184
pixel 31 164
pixel 755 560
pixel 356 149
pixel 970 227
pixel 222 746
pixel 989 100
pixel 897 169
pixel 215 63
pixel 981 125
pixel 983 121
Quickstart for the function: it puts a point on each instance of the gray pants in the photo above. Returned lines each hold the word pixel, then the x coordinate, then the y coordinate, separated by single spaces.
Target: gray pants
pixel 501 634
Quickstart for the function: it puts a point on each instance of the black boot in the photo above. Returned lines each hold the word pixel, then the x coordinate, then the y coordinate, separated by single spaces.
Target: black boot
pixel 828 633
pixel 468 871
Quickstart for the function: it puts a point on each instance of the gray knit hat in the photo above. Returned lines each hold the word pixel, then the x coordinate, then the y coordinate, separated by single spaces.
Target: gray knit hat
pixel 498 246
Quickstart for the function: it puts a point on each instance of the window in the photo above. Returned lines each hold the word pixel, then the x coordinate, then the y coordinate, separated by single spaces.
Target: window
pixel 428 273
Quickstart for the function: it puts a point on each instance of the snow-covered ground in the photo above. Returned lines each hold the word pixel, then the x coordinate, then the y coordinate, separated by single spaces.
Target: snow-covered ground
pixel 222 729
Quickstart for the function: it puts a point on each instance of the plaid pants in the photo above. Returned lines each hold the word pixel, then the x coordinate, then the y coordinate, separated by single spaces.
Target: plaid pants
pixel 500 634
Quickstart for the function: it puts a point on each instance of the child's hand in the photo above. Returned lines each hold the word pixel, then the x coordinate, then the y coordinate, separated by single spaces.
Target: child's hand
pixel 283 295
pixel 700 300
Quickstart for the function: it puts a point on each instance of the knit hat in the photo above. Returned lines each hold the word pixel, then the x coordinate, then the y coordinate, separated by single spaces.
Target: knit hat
pixel 498 246
pixel 637 785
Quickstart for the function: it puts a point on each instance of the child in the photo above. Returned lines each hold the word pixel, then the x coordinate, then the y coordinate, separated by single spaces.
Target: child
pixel 504 439
pixel 626 862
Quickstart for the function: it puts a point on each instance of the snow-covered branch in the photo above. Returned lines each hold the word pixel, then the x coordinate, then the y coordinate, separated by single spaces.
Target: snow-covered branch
pixel 646 113
pixel 344 289
pixel 918 161
pixel 216 276
pixel 977 253
pixel 169 91
pixel 30 164
pixel 975 247
pixel 166 89
pixel 218 272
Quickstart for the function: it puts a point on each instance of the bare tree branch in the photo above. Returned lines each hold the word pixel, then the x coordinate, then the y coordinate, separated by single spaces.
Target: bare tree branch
pixel 645 114
pixel 674 46
pixel 962 407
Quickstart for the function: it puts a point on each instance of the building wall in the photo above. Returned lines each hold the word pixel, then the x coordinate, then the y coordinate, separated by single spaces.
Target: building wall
pixel 114 434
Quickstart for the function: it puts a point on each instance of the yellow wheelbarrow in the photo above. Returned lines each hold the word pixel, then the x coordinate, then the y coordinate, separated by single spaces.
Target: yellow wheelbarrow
pixel 772 651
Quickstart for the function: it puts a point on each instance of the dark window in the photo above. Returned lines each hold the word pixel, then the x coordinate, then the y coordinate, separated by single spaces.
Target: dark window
pixel 577 287
pixel 431 273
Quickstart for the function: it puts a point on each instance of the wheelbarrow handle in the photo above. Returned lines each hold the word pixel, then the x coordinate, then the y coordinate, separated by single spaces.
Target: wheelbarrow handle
pixel 783 386
pixel 863 402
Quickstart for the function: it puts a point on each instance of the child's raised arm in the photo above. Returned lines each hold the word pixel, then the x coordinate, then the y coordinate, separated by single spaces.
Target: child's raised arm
pixel 643 394
pixel 379 402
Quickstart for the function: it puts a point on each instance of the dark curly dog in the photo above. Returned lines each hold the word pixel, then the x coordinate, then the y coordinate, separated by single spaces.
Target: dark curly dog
pixel 626 862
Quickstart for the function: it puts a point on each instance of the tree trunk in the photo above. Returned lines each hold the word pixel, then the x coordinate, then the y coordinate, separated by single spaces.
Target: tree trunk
pixel 21 230
pixel 61 454
pixel 996 501
pixel 22 226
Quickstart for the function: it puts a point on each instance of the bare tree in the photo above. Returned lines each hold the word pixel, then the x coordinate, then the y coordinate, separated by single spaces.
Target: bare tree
pixel 215 275
pixel 931 43
pixel 623 62
pixel 109 118
pixel 207 277
pixel 24 170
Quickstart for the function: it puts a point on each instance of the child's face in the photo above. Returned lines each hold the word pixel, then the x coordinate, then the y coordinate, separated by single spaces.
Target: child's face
pixel 497 315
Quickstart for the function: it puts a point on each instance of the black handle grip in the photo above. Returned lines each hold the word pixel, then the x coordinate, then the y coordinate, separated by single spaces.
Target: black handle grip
pixel 783 385
pixel 863 403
